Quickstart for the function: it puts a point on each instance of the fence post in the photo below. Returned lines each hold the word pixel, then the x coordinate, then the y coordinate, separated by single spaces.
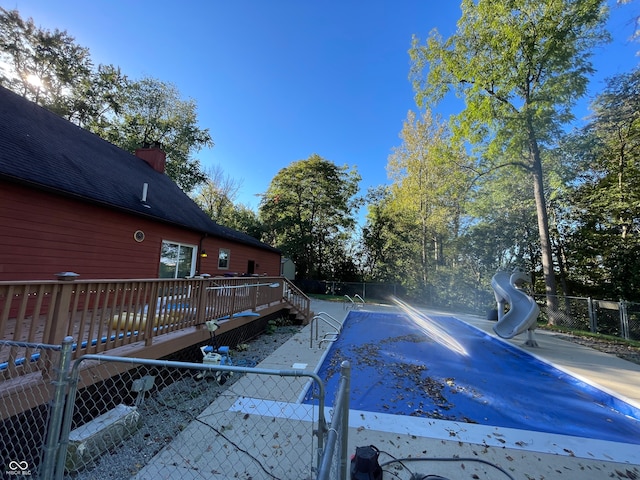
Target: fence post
pixel 593 321
pixel 624 319
pixel 345 370
pixel 57 410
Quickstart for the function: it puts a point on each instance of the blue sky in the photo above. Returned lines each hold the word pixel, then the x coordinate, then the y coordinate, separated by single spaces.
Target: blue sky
pixel 276 81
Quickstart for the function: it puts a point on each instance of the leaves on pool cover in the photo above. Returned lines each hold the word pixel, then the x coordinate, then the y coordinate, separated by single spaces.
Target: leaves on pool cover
pixel 411 337
pixel 411 386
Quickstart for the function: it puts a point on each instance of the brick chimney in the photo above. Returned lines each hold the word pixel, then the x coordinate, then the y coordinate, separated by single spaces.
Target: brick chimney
pixel 154 156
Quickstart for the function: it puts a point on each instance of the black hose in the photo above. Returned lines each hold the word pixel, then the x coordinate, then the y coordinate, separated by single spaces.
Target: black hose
pixel 445 459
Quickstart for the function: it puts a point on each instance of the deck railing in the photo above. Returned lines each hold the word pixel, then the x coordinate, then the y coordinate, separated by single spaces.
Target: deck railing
pixel 101 315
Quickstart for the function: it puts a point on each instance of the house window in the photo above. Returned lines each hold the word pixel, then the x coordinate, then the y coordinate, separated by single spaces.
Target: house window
pixel 177 260
pixel 223 258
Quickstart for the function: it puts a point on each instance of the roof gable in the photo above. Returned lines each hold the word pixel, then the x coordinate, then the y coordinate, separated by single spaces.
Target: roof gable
pixel 40 148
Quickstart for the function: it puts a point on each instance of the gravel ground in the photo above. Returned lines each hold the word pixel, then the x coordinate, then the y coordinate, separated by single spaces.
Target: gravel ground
pixel 166 413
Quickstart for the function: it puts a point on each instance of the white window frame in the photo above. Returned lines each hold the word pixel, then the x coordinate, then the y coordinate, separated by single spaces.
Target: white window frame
pixel 228 253
pixel 194 256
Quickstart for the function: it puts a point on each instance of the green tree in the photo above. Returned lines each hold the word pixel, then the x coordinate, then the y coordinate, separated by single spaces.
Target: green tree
pixel 605 204
pixel 98 98
pixel 308 212
pixel 431 175
pixel 244 219
pixel 520 65
pixel 51 69
pixel 498 234
pixel 216 196
pixel 388 245
pixel 152 112
pixel 41 65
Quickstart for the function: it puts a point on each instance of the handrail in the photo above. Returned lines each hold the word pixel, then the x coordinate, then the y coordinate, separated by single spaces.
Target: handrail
pixel 329 320
pixel 348 300
pixel 104 314
pixel 297 298
pixel 352 301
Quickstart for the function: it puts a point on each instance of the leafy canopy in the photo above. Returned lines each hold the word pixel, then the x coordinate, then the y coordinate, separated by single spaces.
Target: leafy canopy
pixel 308 211
pixel 520 65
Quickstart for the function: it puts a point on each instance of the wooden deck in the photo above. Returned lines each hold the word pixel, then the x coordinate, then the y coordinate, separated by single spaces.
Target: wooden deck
pixel 131 318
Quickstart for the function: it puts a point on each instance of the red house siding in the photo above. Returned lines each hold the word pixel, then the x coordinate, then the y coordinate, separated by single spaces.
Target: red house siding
pixel 265 263
pixel 43 234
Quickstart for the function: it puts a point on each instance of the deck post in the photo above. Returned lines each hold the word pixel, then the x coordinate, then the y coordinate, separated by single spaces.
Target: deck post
pixel 201 308
pixel 151 315
pixel 60 317
pixel 232 306
pixel 254 299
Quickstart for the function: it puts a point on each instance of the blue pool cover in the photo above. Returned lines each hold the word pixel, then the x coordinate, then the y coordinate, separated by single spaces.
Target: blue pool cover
pixel 398 369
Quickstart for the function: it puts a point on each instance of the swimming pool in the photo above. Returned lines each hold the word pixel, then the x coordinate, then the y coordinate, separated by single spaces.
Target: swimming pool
pixel 398 369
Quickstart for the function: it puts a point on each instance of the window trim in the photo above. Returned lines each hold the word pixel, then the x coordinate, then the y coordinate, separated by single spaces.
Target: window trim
pixel 194 257
pixel 228 252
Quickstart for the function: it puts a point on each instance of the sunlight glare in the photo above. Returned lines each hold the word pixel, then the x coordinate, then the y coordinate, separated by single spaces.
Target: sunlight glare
pixel 34 80
pixel 430 329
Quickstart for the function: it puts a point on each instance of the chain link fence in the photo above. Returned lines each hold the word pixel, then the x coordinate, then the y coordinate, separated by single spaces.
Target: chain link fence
pixel 110 417
pixel 620 319
pixel 28 372
pixel 137 418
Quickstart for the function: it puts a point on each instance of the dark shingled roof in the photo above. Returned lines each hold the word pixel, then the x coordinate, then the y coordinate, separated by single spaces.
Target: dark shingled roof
pixel 39 148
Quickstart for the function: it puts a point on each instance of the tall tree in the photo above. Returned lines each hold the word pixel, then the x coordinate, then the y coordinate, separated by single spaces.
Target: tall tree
pixel 431 175
pixel 308 211
pixel 152 112
pixel 41 65
pixel 244 219
pixel 51 69
pixel 520 66
pixel 498 234
pixel 98 98
pixel 605 204
pixel 216 196
pixel 389 240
